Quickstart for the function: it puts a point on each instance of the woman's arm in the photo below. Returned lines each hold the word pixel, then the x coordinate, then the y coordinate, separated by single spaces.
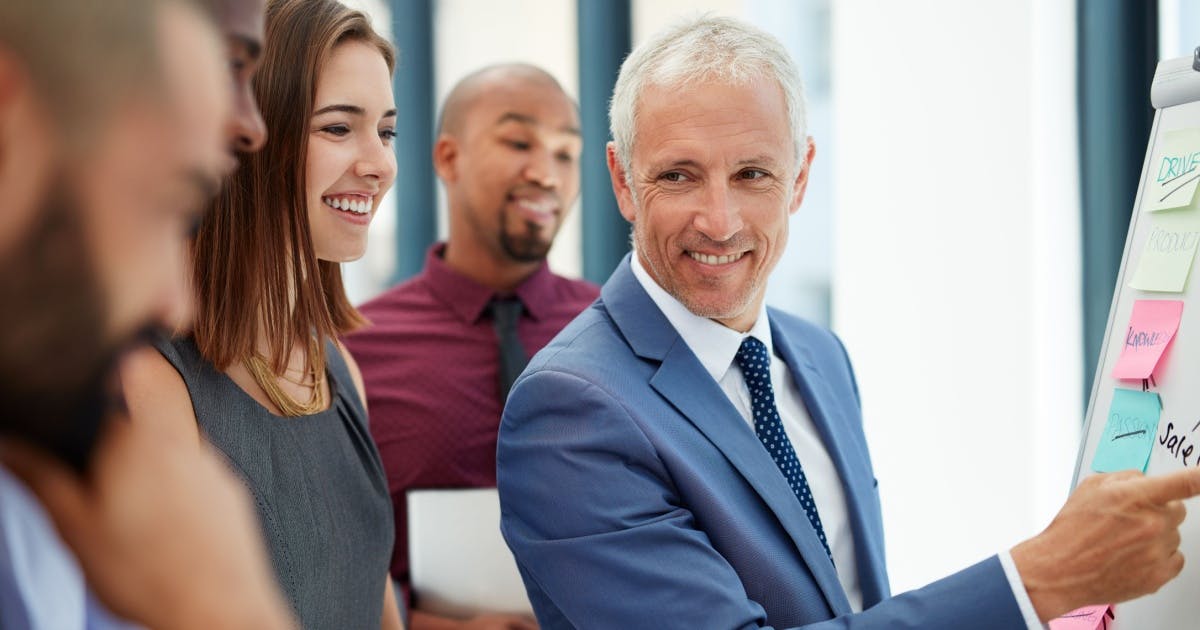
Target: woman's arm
pixel 392 619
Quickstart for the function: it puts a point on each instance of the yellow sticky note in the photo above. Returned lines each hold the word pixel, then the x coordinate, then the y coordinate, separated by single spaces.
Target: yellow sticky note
pixel 1168 251
pixel 1174 171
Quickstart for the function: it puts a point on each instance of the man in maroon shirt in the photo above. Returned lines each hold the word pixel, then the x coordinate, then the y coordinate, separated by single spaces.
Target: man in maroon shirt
pixel 438 357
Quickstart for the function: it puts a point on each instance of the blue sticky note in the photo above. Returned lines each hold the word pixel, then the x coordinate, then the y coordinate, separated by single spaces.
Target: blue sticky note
pixel 1129 434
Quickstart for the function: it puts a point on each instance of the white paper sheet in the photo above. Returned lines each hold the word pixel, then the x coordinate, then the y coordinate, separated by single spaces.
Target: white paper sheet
pixel 460 565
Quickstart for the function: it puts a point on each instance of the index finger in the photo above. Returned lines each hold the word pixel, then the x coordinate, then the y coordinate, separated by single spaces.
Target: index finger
pixel 1172 487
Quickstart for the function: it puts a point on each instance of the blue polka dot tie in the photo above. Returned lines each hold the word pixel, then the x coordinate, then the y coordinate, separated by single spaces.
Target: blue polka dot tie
pixel 752 357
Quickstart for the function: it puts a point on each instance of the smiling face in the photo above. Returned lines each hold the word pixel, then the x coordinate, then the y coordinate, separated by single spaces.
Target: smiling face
pixel 511 168
pixel 350 163
pixel 714 179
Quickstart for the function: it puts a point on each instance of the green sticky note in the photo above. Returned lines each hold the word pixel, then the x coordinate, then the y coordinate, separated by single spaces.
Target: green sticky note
pixel 1174 171
pixel 1129 434
pixel 1170 248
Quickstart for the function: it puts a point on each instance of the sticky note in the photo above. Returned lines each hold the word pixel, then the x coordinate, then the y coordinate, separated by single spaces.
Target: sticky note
pixel 1086 618
pixel 1168 252
pixel 1129 433
pixel 1174 172
pixel 1152 325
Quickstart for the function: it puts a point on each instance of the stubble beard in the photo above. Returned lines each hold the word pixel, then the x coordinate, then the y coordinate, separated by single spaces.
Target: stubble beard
pixel 56 358
pixel 689 296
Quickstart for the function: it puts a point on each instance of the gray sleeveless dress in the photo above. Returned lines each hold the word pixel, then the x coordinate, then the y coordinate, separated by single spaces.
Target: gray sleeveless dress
pixel 318 484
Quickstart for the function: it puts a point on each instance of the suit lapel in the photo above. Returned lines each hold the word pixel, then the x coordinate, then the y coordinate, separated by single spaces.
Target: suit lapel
pixel 848 455
pixel 687 386
pixel 684 382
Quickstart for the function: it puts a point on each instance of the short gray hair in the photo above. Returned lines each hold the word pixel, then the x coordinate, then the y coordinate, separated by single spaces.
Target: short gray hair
pixel 699 48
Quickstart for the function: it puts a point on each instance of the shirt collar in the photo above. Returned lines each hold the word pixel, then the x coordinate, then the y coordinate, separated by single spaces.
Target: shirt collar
pixel 469 300
pixel 714 344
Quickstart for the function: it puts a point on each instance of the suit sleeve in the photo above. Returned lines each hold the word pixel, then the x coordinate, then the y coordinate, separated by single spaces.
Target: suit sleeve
pixel 603 541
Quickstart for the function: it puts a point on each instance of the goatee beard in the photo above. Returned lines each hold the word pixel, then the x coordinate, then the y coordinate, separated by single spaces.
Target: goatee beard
pixel 528 247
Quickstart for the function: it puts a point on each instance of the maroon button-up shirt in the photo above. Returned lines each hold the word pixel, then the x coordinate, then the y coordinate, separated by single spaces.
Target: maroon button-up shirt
pixel 430 364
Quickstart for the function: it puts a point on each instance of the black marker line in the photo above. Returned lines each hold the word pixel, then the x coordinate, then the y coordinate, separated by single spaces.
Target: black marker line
pixel 1123 435
pixel 1196 427
pixel 1185 173
pixel 1177 188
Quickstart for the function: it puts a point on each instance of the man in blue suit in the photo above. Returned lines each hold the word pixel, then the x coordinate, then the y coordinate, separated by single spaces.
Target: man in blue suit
pixel 681 456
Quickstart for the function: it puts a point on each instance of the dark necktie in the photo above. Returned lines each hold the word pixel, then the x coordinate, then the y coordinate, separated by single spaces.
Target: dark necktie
pixel 752 357
pixel 505 314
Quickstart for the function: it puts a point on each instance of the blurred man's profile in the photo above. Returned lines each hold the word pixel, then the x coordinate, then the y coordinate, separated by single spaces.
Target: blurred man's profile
pixel 114 123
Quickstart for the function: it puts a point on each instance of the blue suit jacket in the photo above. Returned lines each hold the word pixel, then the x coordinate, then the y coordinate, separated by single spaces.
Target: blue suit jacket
pixel 634 495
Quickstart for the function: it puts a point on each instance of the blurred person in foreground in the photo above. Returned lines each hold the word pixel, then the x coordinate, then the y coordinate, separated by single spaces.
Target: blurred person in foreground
pixel 443 348
pixel 683 456
pixel 241 25
pixel 113 134
pixel 261 375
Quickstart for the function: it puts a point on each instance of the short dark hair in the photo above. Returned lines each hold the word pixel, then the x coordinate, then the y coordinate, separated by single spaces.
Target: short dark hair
pixel 83 56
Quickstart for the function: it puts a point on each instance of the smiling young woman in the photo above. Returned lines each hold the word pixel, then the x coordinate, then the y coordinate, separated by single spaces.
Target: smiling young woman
pixel 267 258
pixel 261 372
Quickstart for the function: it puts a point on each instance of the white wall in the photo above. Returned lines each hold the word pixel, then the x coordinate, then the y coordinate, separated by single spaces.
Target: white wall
pixel 1178 28
pixel 956 276
pixel 372 273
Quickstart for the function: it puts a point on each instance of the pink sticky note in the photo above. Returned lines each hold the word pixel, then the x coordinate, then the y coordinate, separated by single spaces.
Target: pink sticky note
pixel 1086 618
pixel 1151 327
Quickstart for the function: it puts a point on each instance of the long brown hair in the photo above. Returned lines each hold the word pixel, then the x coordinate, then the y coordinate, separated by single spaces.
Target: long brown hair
pixel 255 248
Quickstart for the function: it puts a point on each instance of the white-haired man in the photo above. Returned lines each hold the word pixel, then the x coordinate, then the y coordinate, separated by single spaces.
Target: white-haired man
pixel 682 456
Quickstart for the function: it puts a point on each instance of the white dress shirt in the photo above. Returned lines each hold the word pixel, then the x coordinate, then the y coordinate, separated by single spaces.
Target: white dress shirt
pixel 41 584
pixel 716 346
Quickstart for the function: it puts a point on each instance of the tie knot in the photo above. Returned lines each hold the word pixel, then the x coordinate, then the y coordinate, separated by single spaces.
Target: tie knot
pixel 505 311
pixel 752 357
